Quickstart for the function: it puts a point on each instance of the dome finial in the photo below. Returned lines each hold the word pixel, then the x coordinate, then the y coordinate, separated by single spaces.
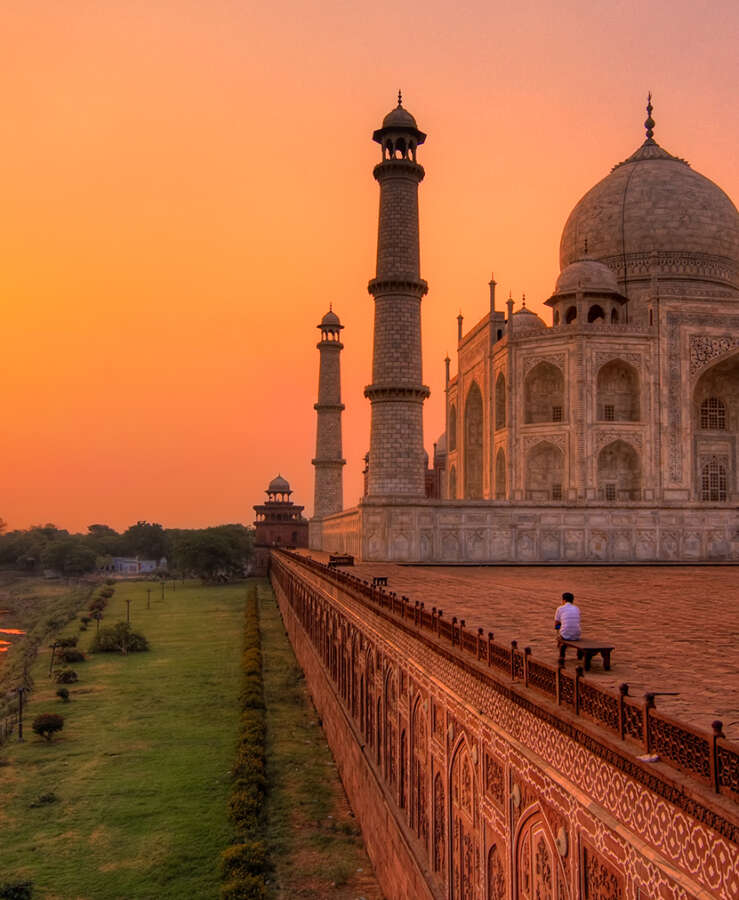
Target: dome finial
pixel 649 123
pixel 400 97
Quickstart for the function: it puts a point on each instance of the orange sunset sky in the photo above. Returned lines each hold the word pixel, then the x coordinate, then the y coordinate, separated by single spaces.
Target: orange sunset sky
pixel 186 186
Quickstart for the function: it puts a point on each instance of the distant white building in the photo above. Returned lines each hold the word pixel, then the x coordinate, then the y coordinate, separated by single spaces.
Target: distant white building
pixel 128 565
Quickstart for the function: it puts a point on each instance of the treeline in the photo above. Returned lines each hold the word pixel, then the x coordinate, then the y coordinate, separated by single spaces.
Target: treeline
pixel 219 553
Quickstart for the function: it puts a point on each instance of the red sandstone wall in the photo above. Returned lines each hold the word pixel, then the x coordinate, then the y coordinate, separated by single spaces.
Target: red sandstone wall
pixel 466 788
pixel 395 865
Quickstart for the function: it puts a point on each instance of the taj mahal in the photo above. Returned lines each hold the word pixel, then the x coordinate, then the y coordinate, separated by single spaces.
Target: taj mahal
pixel 608 433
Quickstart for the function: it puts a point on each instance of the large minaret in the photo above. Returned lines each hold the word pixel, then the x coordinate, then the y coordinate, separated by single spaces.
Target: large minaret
pixel 396 456
pixel 329 495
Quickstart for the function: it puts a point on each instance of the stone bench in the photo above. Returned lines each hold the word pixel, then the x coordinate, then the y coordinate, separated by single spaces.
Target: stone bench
pixel 587 650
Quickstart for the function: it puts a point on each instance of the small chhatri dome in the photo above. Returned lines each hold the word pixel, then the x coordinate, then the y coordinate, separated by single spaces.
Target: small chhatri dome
pixel 588 276
pixel 399 117
pixel 526 320
pixel 330 320
pixel 278 485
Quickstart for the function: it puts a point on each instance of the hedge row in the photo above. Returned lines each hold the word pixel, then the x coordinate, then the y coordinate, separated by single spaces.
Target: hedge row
pixel 245 864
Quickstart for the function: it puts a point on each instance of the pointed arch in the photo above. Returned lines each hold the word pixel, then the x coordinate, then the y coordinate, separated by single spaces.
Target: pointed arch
pixel 619 472
pixel 545 472
pixel 617 392
pixel 500 402
pixel 464 849
pixel 500 475
pixel 419 772
pixel 452 429
pixel 473 429
pixel 544 394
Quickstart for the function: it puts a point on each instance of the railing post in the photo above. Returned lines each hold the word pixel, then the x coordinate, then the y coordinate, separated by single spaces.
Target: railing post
pixel 434 620
pixel 623 691
pixel 439 614
pixel 578 676
pixel 421 616
pixel 454 629
pixel 415 613
pixel 718 732
pixel 526 655
pixel 648 704
pixel 490 648
pixel 479 642
pixel 461 634
pixel 514 645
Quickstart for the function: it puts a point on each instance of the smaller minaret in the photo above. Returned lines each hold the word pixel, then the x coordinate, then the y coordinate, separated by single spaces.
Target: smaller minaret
pixel 329 492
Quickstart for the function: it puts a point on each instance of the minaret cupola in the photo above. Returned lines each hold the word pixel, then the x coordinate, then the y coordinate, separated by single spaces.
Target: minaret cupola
pixel 399 136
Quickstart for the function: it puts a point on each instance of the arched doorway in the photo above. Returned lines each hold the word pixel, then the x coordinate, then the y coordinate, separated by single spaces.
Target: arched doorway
pixel 473 444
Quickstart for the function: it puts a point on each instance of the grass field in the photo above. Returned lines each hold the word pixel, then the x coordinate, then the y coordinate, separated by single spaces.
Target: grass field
pixel 141 769
pixel 314 840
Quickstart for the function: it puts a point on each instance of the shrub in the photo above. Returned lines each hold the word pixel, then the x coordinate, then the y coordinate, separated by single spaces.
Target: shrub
pixel 63 695
pixel 47 724
pixel 16 890
pixel 250 887
pixel 70 655
pixel 110 581
pixel 249 858
pixel 85 620
pixel 119 638
pixel 106 593
pixel 65 676
pixel 43 800
pixel 67 642
pixel 97 605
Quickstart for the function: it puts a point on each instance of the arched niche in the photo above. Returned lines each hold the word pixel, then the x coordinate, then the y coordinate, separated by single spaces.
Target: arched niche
pixel 571 315
pixel 619 472
pixel 716 398
pixel 473 443
pixel 453 483
pixel 617 392
pixel 500 402
pixel 391 730
pixel 544 472
pixel 500 475
pixel 464 861
pixel 544 390
pixel 539 872
pixel 452 433
pixel 716 431
pixel 419 773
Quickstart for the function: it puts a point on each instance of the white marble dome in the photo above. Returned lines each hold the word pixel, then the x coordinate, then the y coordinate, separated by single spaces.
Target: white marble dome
pixel 655 215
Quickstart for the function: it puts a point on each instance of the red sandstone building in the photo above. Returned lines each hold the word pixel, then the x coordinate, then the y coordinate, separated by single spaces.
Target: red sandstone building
pixel 279 523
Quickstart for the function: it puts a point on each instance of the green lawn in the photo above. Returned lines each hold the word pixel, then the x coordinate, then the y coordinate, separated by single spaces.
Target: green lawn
pixel 141 769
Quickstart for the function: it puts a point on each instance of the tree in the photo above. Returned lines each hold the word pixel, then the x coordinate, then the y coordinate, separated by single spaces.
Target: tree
pixel 47 724
pixel 69 556
pixel 119 638
pixel 145 540
pixel 211 554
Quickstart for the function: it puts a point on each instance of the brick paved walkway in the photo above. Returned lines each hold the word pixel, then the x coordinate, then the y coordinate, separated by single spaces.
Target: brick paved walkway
pixel 674 628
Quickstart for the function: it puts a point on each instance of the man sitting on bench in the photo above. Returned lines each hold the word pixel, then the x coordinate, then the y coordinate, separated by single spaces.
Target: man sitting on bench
pixel 567 619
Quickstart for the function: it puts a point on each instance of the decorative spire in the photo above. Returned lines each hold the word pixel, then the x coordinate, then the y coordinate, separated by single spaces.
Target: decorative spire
pixel 400 97
pixel 649 123
pixel 523 301
pixel 586 246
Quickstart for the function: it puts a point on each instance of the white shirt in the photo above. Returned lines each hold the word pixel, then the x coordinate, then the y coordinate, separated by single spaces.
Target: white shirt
pixel 569 615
